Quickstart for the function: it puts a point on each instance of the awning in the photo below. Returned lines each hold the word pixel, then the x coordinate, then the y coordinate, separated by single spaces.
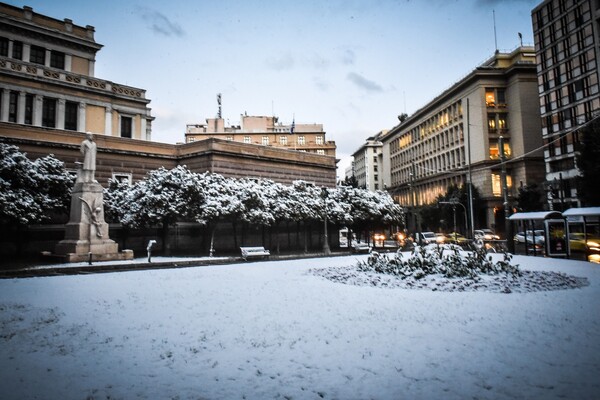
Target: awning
pixel 536 215
pixel 582 212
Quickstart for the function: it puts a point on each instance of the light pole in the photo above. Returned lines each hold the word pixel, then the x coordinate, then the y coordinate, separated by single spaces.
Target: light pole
pixel 324 194
pixel 454 203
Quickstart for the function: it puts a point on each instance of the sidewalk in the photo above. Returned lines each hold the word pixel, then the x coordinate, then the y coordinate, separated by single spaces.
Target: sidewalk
pixel 141 264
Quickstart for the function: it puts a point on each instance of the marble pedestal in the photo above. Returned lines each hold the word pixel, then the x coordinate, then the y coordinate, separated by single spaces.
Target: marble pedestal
pixel 87 232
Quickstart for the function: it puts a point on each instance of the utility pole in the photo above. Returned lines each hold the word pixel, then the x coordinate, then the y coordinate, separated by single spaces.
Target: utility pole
pixel 507 224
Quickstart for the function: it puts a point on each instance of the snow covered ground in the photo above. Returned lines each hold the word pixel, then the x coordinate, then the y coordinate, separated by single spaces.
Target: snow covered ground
pixel 273 330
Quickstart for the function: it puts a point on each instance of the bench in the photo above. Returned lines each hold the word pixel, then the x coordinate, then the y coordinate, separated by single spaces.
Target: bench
pixel 248 252
pixel 361 247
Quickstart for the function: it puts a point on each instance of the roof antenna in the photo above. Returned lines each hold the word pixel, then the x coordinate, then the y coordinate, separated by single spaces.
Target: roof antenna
pixel 495 37
pixel 219 115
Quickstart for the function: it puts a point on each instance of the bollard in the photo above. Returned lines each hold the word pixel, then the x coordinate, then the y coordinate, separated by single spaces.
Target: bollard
pixel 149 248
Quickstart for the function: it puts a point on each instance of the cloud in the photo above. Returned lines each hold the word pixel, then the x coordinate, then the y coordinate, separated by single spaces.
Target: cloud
pixel 363 83
pixel 348 57
pixel 159 23
pixel 487 3
pixel 281 63
pixel 321 84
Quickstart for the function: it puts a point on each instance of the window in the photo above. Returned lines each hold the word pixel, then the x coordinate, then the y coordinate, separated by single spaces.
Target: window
pixel 319 139
pixel 501 97
pixel 49 112
pixel 17 50
pixel 126 127
pixel 13 106
pixel 247 140
pixel 283 140
pixel 191 139
pixel 497 184
pixel 321 152
pixel 71 111
pixel 491 123
pixel 502 122
pixel 301 140
pixel 495 152
pixel 3 46
pixel 265 140
pixel 57 59
pixel 29 109
pixel 37 55
pixel 490 98
pixel 229 138
pixel 122 177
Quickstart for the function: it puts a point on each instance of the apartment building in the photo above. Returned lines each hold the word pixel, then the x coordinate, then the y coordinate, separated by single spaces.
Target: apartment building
pixel 265 131
pixel 457 136
pixel 567 48
pixel 368 163
pixel 47 79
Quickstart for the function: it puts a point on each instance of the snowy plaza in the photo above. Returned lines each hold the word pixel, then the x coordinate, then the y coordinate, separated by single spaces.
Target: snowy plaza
pixel 277 330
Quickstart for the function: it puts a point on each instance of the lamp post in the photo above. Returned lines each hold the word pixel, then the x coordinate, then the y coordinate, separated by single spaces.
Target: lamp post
pixel 324 195
pixel 454 203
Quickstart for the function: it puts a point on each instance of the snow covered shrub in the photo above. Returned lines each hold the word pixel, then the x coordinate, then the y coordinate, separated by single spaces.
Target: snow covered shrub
pixel 440 260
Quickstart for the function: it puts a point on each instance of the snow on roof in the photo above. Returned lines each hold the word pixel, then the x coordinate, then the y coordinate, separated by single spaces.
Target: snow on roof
pixel 582 211
pixel 535 215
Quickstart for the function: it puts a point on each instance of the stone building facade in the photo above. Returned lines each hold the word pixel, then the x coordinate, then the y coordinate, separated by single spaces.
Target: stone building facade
pixel 459 131
pixel 47 79
pixel 368 163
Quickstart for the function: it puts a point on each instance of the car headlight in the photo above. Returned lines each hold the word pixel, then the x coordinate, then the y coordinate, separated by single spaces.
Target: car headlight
pixel 593 244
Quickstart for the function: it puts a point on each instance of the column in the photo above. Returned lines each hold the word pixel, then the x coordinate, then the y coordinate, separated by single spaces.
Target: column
pixel 108 121
pixel 21 108
pixel 143 133
pixel 68 62
pixel 60 118
pixel 5 104
pixel 91 67
pixel 47 60
pixel 81 118
pixel 37 110
pixel 26 51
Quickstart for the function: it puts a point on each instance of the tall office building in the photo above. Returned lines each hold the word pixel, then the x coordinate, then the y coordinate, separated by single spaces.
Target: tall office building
pixel 459 131
pixel 567 47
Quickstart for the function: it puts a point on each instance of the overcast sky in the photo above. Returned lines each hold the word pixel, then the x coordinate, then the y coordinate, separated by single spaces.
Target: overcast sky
pixel 352 66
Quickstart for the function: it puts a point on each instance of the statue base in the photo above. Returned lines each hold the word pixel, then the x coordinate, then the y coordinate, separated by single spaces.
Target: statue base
pixel 87 233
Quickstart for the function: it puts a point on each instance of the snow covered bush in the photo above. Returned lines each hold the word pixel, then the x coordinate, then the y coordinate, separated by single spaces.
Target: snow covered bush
pixel 439 260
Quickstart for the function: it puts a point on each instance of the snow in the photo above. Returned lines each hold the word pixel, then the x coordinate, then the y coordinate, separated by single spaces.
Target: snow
pixel 275 330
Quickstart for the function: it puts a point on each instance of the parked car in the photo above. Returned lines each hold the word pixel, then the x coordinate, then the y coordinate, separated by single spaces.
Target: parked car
pixel 577 242
pixel 485 234
pixel 537 237
pixel 456 238
pixel 440 238
pixel 425 237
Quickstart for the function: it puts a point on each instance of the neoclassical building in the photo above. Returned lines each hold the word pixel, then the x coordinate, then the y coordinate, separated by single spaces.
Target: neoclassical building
pixel 49 97
pixel 368 163
pixel 459 131
pixel 47 79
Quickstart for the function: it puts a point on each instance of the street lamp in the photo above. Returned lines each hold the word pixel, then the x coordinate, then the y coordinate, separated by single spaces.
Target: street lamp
pixel 324 194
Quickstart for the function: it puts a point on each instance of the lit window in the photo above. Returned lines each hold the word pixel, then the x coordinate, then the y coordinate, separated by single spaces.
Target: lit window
pixel 283 140
pixel 265 140
pixel 319 139
pixel 492 123
pixel 502 122
pixel 495 152
pixel 490 98
pixel 247 140
pixel 497 184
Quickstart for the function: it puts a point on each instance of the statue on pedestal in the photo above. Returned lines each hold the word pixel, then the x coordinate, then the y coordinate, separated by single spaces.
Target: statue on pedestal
pixel 86 234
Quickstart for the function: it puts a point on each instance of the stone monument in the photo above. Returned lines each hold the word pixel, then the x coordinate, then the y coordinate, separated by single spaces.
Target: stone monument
pixel 86 233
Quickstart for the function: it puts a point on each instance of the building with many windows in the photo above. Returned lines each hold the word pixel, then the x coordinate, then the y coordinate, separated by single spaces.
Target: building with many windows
pixel 265 131
pixel 368 163
pixel 457 135
pixel 567 47
pixel 47 79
